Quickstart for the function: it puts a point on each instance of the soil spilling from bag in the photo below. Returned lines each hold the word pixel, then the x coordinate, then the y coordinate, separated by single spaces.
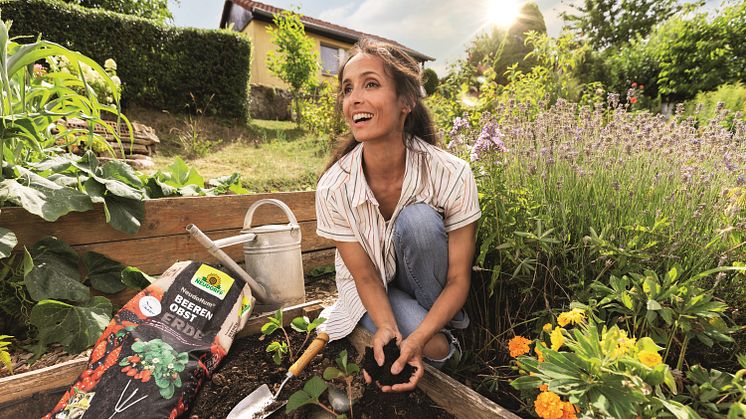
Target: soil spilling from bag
pixel 382 374
pixel 247 366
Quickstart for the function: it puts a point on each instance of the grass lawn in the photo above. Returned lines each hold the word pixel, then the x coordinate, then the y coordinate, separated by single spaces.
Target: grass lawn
pixel 270 155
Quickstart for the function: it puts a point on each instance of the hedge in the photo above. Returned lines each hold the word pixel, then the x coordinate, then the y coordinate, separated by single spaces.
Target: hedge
pixel 160 65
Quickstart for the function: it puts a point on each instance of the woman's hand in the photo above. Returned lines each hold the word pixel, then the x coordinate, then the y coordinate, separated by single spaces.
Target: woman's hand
pixel 411 353
pixel 383 336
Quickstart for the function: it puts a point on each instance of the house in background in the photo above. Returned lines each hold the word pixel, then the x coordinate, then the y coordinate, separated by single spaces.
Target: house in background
pixel 331 42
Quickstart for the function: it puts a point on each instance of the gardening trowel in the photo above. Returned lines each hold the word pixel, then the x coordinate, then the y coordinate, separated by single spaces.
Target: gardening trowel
pixel 261 402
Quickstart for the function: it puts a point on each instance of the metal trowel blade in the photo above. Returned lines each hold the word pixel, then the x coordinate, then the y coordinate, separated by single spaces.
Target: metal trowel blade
pixel 259 404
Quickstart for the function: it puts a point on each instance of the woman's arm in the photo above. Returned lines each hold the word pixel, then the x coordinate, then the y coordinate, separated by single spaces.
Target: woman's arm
pixel 373 295
pixel 451 300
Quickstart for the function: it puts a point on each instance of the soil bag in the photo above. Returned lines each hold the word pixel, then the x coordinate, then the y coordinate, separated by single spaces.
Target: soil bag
pixel 158 349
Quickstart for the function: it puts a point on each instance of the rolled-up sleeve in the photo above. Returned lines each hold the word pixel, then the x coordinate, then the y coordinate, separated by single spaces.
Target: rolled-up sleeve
pixel 462 205
pixel 330 222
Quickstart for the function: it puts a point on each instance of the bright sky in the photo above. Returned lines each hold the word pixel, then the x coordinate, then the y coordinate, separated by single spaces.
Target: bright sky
pixel 439 28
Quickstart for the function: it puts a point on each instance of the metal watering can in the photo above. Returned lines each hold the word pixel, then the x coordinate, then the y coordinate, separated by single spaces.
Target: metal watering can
pixel 272 256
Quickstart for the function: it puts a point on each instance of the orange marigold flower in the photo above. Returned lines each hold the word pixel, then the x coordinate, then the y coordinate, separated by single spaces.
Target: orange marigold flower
pixel 544 387
pixel 519 346
pixel 539 355
pixel 548 405
pixel 569 411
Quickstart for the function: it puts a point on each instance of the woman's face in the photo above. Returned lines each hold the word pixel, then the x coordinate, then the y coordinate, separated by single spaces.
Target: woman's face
pixel 370 104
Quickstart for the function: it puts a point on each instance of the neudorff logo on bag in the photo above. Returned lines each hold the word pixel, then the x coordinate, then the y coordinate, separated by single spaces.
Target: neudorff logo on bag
pixel 212 281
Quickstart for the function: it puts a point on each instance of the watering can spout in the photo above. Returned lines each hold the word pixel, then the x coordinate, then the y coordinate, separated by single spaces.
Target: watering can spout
pixel 214 248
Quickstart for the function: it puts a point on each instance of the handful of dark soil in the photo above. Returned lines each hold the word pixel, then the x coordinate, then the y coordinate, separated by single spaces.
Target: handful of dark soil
pixel 383 374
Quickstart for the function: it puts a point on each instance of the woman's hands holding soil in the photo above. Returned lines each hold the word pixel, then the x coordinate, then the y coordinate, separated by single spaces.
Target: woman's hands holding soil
pixel 410 356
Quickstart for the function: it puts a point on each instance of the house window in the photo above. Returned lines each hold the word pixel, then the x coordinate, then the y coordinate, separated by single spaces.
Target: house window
pixel 331 58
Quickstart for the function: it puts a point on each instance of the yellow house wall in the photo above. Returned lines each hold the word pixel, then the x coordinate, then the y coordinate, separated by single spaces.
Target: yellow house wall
pixel 262 43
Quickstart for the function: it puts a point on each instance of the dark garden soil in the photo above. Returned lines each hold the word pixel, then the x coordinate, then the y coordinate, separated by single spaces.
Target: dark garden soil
pixel 248 365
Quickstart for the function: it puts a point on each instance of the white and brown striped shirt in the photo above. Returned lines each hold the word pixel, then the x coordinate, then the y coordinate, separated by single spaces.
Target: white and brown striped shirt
pixel 347 211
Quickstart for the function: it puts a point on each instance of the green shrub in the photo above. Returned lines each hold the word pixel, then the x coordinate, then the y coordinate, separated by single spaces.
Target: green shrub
pixel 707 105
pixel 319 115
pixel 160 66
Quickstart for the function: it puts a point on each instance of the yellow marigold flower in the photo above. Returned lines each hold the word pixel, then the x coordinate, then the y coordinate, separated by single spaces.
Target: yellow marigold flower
pixel 649 358
pixel 547 327
pixel 539 355
pixel 569 411
pixel 574 316
pixel 518 346
pixel 620 343
pixel 556 338
pixel 548 405
pixel 544 387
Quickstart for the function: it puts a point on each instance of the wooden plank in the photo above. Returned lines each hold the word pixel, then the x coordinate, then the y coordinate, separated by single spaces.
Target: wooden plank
pixel 456 398
pixel 35 406
pixel 165 216
pixel 25 385
pixel 154 255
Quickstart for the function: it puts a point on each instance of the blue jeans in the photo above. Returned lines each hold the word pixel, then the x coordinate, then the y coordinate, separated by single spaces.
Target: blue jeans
pixel 421 245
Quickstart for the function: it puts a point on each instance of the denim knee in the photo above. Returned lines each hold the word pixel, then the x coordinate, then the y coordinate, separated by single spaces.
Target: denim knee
pixel 421 226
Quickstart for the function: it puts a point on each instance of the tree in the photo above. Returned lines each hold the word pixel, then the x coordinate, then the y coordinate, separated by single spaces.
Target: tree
pixel 500 49
pixel 149 9
pixel 295 61
pixel 604 23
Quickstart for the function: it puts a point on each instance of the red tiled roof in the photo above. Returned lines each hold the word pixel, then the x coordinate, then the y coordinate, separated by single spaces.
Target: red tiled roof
pixel 318 25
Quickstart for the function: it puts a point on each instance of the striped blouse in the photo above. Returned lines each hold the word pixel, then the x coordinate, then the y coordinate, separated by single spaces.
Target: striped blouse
pixel 347 211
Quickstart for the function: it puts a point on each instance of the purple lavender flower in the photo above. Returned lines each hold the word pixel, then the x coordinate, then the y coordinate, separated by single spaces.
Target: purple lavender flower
pixel 459 125
pixel 490 139
pixel 728 162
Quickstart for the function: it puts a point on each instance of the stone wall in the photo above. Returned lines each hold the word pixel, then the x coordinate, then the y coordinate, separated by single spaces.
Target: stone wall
pixel 269 103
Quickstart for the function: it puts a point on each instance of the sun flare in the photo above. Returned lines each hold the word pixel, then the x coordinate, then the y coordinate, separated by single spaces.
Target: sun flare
pixel 503 12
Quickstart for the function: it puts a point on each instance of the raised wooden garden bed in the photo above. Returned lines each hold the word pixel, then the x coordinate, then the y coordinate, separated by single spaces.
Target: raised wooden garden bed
pixel 162 241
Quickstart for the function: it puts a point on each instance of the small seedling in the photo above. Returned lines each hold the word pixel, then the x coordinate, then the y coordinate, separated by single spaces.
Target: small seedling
pixel 346 372
pixel 310 394
pixel 304 325
pixel 279 348
pixel 4 354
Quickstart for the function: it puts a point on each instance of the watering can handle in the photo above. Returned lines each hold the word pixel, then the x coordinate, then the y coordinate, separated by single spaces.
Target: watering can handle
pixel 276 202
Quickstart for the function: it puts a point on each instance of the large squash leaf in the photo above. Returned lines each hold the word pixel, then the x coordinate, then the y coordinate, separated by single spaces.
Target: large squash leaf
pixel 42 197
pixel 105 274
pixel 75 327
pixel 8 241
pixel 135 278
pixel 55 273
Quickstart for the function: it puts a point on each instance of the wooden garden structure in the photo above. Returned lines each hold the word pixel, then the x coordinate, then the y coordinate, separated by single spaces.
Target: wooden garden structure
pixel 161 241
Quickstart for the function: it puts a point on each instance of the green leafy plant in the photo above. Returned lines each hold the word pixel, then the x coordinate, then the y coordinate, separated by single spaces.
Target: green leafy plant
pixel 304 325
pixel 191 137
pixel 278 348
pixel 4 354
pixel 672 310
pixel 156 359
pixel 346 371
pixel 717 394
pixel 310 394
pixel 295 61
pixel 603 373
pixel 182 180
pixel 42 288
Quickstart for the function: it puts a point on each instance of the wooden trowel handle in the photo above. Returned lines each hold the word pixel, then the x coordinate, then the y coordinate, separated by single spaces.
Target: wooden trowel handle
pixel 313 349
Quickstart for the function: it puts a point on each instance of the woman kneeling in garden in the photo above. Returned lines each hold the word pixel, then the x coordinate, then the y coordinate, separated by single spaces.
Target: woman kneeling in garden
pixel 402 213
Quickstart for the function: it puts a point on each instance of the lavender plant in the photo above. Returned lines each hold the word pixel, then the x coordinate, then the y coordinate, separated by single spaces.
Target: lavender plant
pixel 571 194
